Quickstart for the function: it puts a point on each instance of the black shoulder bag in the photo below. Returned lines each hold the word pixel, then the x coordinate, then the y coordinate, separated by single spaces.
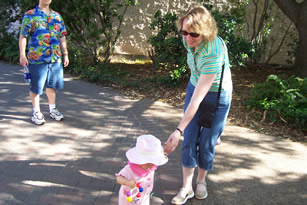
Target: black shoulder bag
pixel 207 109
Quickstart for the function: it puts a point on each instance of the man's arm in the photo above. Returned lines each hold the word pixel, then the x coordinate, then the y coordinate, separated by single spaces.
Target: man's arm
pixel 64 51
pixel 22 50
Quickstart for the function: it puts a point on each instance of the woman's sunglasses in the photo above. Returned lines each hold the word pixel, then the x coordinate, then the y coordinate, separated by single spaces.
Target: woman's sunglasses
pixel 185 33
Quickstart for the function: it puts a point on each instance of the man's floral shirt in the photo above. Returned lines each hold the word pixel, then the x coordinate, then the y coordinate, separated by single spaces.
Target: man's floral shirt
pixel 44 34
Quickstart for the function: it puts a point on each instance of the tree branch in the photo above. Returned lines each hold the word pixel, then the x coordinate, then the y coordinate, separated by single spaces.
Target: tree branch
pixel 254 21
pixel 263 18
pixel 281 43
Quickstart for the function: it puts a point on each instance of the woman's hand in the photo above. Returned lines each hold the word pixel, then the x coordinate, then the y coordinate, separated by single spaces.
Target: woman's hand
pixel 172 142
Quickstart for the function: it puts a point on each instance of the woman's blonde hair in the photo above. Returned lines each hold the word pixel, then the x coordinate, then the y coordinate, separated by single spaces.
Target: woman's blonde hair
pixel 200 21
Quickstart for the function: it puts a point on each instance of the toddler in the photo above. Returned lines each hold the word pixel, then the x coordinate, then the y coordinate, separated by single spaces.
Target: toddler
pixel 137 177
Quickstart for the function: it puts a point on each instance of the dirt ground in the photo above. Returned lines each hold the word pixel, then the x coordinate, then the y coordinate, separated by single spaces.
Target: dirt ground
pixel 243 79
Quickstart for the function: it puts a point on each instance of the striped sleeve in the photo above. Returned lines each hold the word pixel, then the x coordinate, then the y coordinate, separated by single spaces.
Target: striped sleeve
pixel 211 61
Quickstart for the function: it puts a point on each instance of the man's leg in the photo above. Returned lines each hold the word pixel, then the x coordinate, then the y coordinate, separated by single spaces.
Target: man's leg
pixel 54 113
pixel 53 83
pixel 38 118
pixel 35 98
pixel 51 94
pixel 38 78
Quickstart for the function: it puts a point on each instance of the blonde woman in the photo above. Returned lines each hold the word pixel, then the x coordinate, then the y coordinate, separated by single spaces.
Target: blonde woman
pixel 207 53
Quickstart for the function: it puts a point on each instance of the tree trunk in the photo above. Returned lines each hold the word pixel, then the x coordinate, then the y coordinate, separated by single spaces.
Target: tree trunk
pixel 301 56
pixel 296 12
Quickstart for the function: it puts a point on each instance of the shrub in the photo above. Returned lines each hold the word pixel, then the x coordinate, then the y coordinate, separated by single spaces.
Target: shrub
pixel 169 52
pixel 239 48
pixel 283 99
pixel 94 26
pixel 9 48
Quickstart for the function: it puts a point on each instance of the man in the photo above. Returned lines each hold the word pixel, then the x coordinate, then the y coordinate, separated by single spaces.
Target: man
pixel 45 32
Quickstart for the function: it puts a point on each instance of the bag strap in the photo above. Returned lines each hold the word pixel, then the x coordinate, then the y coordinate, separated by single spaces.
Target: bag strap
pixel 221 80
pixel 220 87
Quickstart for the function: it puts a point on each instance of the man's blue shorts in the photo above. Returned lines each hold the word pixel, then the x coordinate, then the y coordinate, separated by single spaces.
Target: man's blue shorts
pixel 49 75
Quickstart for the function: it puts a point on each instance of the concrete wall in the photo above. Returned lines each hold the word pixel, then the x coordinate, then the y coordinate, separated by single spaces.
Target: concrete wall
pixel 136 32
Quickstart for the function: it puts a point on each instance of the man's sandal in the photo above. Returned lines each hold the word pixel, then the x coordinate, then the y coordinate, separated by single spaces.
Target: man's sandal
pixel 182 196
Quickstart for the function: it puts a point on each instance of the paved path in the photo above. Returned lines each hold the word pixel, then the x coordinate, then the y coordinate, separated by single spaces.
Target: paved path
pixel 74 161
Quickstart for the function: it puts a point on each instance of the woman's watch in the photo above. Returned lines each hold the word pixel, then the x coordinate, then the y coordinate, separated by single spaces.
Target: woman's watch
pixel 181 132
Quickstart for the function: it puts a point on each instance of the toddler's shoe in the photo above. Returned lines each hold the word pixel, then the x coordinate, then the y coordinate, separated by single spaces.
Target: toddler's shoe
pixel 182 196
pixel 55 114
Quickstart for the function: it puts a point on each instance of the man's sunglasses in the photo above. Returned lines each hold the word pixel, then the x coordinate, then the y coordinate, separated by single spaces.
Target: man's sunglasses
pixel 185 33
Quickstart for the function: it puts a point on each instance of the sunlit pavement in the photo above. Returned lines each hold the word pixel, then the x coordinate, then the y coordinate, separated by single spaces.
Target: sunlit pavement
pixel 75 161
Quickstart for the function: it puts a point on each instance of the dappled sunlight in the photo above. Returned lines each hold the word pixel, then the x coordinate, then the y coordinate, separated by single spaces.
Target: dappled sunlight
pixel 68 78
pixel 266 175
pixel 75 161
pixel 47 164
pixel 253 156
pixel 42 184
pixel 70 160
pixel 232 190
pixel 5 90
pixel 166 116
pixel 97 175
pixel 12 83
pixel 7 197
pixel 36 143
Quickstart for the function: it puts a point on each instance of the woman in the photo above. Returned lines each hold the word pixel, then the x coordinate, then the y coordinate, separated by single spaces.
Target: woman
pixel 207 53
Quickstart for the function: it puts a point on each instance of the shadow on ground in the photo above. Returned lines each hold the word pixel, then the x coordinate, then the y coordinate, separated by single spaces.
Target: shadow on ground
pixel 74 161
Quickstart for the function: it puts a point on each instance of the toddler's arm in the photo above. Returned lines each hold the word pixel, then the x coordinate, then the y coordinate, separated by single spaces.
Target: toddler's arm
pixel 123 181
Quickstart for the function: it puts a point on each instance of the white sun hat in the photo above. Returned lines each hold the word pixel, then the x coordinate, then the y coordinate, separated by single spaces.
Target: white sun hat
pixel 148 149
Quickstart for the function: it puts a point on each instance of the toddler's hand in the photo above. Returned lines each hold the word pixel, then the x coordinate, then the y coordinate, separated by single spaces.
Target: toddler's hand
pixel 131 183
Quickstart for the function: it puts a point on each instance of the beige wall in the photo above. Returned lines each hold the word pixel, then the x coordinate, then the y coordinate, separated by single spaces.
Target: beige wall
pixel 136 32
pixel 135 29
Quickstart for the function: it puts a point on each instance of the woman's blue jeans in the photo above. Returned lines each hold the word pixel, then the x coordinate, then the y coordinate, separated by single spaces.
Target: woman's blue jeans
pixel 198 146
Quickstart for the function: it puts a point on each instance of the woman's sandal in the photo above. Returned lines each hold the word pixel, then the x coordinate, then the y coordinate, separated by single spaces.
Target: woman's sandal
pixel 201 191
pixel 182 196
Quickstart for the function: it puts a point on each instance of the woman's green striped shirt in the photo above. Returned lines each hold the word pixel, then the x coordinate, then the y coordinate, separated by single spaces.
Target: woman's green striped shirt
pixel 208 59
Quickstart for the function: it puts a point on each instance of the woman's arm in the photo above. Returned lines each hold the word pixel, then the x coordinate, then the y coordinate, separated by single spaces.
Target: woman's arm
pixel 204 83
pixel 201 90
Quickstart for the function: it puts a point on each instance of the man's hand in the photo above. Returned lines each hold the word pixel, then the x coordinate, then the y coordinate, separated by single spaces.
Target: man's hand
pixel 23 61
pixel 66 60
